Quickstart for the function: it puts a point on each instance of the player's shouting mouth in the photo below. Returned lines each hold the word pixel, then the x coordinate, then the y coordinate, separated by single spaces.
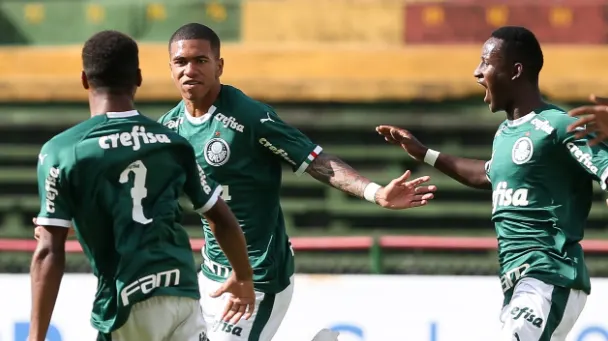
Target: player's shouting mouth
pixel 541 176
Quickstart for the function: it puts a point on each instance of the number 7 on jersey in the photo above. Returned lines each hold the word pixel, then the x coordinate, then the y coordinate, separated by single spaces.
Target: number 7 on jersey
pixel 138 191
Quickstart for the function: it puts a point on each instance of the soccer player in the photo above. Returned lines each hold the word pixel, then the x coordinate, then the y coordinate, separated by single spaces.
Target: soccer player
pixel 116 179
pixel 541 176
pixel 242 143
pixel 596 121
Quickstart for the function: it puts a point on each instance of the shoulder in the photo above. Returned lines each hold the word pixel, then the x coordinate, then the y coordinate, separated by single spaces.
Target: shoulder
pixel 58 152
pixel 171 118
pixel 168 135
pixel 63 144
pixel 500 128
pixel 554 121
pixel 245 108
pixel 556 116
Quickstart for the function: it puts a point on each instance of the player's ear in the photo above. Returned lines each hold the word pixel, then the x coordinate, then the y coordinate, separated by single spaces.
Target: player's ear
pixel 84 80
pixel 518 70
pixel 220 67
pixel 139 78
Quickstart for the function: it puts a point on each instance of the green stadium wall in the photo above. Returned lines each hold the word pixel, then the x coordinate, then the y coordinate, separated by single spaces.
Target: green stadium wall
pixel 311 208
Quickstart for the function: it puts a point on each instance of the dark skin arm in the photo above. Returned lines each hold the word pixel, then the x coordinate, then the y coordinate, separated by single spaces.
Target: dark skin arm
pixel 469 172
pixel 230 238
pixel 47 268
pixel 595 120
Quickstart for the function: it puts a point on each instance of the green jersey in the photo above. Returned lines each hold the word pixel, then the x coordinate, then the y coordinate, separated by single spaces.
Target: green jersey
pixel 116 178
pixel 541 178
pixel 241 143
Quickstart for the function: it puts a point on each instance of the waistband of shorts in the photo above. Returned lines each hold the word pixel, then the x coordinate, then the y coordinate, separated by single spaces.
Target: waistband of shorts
pixel 160 299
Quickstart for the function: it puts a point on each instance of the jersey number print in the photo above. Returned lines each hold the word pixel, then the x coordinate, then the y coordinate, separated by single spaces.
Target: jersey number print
pixel 138 191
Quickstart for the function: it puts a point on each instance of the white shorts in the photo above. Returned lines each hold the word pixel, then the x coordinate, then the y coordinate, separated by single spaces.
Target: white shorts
pixel 539 311
pixel 163 318
pixel 270 309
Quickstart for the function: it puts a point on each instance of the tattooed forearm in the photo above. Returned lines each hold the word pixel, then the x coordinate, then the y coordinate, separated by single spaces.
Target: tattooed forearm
pixel 331 170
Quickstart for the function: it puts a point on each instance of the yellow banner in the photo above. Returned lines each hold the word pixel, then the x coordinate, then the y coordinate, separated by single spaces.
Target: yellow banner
pixel 332 72
pixel 323 21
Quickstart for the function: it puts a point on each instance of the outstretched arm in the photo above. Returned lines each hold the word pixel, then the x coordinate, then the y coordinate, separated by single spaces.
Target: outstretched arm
pixel 329 169
pixel 398 194
pixel 289 145
pixel 469 172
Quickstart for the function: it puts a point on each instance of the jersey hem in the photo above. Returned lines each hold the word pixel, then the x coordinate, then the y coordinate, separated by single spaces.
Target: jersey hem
pixel 212 201
pixel 568 284
pixel 309 159
pixel 44 221
pixel 265 286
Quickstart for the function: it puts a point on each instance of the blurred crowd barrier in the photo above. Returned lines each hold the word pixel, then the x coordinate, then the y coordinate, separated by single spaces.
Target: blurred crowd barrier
pixel 307 50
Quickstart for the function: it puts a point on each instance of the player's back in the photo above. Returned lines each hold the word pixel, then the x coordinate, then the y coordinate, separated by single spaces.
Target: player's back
pixel 125 173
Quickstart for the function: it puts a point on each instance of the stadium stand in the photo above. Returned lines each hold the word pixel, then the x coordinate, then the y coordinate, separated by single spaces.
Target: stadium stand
pixel 291 51
pixel 302 55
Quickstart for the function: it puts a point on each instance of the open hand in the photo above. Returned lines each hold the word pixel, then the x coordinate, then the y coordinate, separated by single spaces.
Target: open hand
pixel 402 194
pixel 595 121
pixel 405 139
pixel 240 299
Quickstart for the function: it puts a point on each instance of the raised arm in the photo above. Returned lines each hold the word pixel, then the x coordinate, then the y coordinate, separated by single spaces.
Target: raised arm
pixel 469 172
pixel 595 120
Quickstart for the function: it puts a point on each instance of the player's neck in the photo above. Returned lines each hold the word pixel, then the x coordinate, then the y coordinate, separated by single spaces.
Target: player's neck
pixel 101 103
pixel 527 102
pixel 200 107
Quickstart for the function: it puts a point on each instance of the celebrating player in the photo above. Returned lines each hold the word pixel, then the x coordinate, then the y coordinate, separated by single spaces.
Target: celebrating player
pixel 541 176
pixel 116 179
pixel 595 122
pixel 241 143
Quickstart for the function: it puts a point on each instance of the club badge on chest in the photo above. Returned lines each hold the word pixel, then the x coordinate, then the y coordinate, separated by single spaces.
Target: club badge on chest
pixel 217 152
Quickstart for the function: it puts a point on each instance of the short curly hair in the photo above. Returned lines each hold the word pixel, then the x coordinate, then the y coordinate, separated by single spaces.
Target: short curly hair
pixel 110 60
pixel 196 31
pixel 521 45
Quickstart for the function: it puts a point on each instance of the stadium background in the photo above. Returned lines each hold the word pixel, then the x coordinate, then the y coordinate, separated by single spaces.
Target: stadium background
pixel 335 69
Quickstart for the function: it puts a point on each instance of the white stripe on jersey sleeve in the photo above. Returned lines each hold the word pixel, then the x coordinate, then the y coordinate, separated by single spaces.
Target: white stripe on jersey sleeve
pixel 43 221
pixel 212 200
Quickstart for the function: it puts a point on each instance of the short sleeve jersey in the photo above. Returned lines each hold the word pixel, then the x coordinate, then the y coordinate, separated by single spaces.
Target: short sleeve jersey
pixel 242 143
pixel 541 178
pixel 116 179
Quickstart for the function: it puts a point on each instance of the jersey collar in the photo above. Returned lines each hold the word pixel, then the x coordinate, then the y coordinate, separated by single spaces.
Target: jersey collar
pixel 200 119
pixel 521 120
pixel 122 114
